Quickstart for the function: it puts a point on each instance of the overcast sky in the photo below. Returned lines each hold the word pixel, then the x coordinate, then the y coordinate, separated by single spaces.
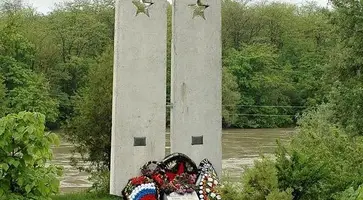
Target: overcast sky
pixel 45 6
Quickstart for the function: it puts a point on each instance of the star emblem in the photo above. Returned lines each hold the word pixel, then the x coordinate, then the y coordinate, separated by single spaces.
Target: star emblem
pixel 142 6
pixel 199 9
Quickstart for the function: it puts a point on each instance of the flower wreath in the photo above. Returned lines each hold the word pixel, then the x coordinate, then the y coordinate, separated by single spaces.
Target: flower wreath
pixel 141 188
pixel 180 174
pixel 176 173
pixel 207 182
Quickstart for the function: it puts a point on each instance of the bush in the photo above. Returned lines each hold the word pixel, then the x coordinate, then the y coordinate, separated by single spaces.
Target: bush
pixel 25 150
pixel 231 192
pixel 322 159
pixel 101 181
pixel 280 195
pixel 351 194
pixel 260 182
pixel 321 162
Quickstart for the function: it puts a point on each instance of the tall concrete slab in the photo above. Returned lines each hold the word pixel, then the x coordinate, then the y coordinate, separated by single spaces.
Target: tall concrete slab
pixel 139 94
pixel 196 80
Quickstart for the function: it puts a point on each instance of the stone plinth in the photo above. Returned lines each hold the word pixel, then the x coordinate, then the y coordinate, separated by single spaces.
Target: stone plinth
pixel 174 196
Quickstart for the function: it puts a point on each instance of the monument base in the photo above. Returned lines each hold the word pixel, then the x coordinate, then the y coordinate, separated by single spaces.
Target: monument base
pixel 175 196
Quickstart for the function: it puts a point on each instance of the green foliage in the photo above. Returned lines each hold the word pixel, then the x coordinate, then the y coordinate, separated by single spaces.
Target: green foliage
pixel 15 45
pixel 280 50
pixel 344 71
pixel 25 90
pixel 261 81
pixel 261 182
pixel 101 181
pixel 24 153
pixel 230 98
pixel 322 159
pixel 351 194
pixel 262 51
pixel 231 192
pixel 321 162
pixel 90 128
pixel 278 195
pixel 3 100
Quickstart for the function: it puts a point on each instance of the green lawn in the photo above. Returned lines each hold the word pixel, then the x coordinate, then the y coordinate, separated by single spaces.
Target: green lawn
pixel 85 196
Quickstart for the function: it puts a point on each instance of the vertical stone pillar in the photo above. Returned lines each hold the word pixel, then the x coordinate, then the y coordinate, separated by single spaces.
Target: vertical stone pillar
pixel 139 94
pixel 196 127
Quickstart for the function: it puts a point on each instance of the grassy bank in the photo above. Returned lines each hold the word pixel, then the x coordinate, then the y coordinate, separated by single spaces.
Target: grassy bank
pixel 85 196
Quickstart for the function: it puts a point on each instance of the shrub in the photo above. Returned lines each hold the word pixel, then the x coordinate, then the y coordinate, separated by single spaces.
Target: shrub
pixel 101 181
pixel 322 160
pixel 25 150
pixel 89 129
pixel 351 194
pixel 260 182
pixel 280 195
pixel 231 191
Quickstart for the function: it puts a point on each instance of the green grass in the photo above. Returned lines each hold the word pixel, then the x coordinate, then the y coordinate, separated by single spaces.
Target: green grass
pixel 85 196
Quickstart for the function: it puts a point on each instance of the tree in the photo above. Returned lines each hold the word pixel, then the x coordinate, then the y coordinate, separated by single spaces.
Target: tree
pixel 90 127
pixel 261 81
pixel 344 71
pixel 230 98
pixel 3 100
pixel 24 89
pixel 25 150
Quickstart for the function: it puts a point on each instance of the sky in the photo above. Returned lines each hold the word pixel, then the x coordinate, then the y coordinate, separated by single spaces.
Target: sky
pixel 46 6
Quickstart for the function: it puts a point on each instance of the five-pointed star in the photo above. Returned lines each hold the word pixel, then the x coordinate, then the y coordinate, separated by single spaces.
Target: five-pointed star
pixel 142 6
pixel 199 9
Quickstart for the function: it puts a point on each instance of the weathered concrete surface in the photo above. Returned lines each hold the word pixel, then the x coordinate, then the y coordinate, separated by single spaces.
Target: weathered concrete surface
pixel 139 90
pixel 196 81
pixel 175 196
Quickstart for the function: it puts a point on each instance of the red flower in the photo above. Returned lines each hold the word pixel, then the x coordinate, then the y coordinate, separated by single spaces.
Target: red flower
pixel 148 197
pixel 158 179
pixel 138 180
pixel 171 176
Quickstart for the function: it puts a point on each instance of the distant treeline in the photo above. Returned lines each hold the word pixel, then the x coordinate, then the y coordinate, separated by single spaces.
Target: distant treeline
pixel 273 59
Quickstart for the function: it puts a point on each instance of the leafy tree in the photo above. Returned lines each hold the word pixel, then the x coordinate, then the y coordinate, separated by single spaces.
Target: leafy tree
pixel 230 98
pixel 3 100
pixel 25 90
pixel 90 127
pixel 344 71
pixel 25 150
pixel 81 31
pixel 261 81
pixel 351 194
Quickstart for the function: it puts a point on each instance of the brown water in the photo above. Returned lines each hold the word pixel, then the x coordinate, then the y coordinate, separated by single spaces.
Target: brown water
pixel 240 148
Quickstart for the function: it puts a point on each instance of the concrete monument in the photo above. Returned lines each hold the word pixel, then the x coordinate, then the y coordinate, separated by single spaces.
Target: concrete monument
pixel 139 93
pixel 196 80
pixel 138 121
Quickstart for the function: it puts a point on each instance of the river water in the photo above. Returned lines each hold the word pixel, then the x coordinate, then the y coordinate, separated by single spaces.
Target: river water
pixel 240 148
